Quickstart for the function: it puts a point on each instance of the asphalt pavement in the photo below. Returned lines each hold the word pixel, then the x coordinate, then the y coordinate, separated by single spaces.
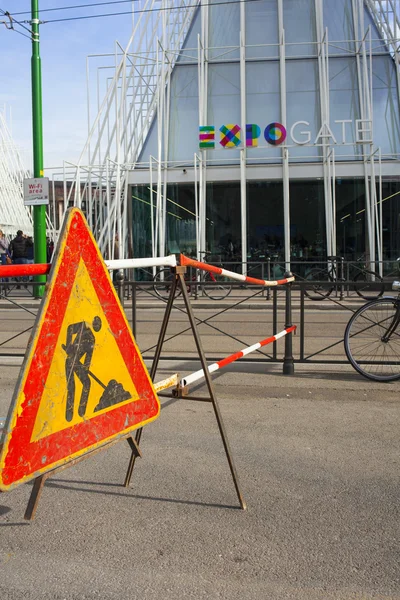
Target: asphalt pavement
pixel 317 455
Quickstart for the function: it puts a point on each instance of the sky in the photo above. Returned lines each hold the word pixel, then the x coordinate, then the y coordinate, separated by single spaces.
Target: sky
pixel 63 47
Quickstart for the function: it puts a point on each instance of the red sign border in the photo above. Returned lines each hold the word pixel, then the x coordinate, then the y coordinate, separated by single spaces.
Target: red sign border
pixel 24 459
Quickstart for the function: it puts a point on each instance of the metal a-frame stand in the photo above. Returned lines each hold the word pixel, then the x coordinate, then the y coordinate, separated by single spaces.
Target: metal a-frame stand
pixel 178 281
pixel 38 482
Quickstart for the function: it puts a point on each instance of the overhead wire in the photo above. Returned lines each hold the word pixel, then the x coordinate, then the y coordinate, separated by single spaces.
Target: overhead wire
pixel 20 33
pixel 6 14
pixel 42 10
pixel 136 12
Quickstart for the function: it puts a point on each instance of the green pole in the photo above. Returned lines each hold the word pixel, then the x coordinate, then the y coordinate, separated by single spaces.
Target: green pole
pixel 39 212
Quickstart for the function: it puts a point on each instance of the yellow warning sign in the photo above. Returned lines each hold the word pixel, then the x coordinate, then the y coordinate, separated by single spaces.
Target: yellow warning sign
pixel 75 378
pixel 83 382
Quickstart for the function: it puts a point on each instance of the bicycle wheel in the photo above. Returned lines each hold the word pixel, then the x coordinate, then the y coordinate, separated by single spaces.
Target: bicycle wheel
pixel 373 286
pixel 367 352
pixel 216 287
pixel 317 291
pixel 162 284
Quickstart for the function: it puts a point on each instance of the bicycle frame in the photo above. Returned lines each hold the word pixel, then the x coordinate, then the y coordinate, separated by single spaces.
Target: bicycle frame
pixel 395 323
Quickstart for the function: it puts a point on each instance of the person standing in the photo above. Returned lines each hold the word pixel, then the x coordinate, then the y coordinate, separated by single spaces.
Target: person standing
pixel 4 252
pixel 19 249
pixel 30 254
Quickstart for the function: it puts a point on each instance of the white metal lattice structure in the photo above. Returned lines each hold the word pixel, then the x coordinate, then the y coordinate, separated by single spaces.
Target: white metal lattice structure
pixel 136 91
pixel 13 214
pixel 387 18
pixel 137 98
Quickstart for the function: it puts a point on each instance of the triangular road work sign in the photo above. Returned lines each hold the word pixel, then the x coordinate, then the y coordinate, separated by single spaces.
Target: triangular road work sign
pixel 83 381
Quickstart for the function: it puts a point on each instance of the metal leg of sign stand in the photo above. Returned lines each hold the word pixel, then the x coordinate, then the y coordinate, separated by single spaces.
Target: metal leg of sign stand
pixel 40 481
pixel 179 280
pixel 134 446
pixel 211 391
pixel 153 370
pixel 34 497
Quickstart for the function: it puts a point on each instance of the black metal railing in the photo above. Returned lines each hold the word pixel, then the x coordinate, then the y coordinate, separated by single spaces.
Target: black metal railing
pixel 283 306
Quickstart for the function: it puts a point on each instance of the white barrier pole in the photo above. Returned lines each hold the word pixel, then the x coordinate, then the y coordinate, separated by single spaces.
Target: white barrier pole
pixel 230 359
pixel 137 263
pixel 166 383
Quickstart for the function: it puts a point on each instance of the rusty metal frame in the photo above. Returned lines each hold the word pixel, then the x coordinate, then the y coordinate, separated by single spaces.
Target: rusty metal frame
pixel 179 280
pixel 39 482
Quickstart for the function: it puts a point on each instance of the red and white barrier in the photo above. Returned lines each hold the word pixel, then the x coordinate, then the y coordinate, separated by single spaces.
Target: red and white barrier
pixel 21 270
pixel 112 265
pixel 171 381
pixel 189 262
pixel 141 263
pixel 230 359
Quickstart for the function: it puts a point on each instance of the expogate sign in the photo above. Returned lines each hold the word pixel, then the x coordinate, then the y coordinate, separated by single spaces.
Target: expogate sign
pixel 275 134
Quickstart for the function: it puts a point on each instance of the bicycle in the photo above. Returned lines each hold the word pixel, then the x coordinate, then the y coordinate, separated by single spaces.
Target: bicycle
pixel 373 283
pixel 372 338
pixel 212 285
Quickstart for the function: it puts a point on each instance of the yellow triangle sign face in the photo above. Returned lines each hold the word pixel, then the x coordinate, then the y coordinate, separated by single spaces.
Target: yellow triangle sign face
pixel 82 301
pixel 83 382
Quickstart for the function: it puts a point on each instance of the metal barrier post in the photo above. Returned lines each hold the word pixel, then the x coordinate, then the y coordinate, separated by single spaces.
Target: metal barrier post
pixel 194 276
pixel 274 320
pixel 301 323
pixel 268 276
pixel 341 278
pixel 288 362
pixel 347 277
pixel 134 290
pixel 120 286
pixel 263 277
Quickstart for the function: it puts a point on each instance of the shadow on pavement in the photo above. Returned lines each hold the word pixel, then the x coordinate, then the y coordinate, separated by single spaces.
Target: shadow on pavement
pixel 59 484
pixel 4 510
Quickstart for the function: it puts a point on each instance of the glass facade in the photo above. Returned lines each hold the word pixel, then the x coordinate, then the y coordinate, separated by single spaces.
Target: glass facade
pixel 332 88
pixel 141 221
pixel 351 230
pixel 265 220
pixel 391 223
pixel 345 106
pixel 346 67
pixel 180 219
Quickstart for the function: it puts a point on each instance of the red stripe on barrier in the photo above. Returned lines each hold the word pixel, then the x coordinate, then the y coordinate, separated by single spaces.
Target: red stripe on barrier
pixel 189 262
pixel 262 282
pixel 20 270
pixel 184 260
pixel 237 355
pixel 290 329
pixel 268 341
pixel 229 359
pixel 254 280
